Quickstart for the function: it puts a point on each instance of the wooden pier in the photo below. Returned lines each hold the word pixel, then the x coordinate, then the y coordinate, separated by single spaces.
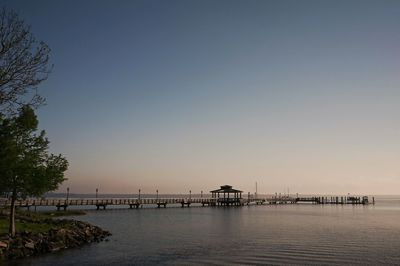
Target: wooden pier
pixel 227 196
pixel 224 196
pixel 337 200
pixel 135 203
pixel 104 203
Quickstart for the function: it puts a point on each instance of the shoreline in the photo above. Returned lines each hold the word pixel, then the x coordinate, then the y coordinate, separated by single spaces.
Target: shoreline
pixel 39 233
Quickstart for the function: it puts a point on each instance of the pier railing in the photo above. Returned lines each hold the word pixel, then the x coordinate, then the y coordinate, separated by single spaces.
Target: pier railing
pixel 139 202
pixel 102 202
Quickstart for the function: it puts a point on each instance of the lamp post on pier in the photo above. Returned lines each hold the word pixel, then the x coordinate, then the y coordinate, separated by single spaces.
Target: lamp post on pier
pixel 157 194
pixel 67 194
pixel 190 195
pixel 201 194
pixel 139 194
pixel 97 191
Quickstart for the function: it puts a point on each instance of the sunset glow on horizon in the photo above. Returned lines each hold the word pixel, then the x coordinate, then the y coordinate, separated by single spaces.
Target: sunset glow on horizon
pixel 191 95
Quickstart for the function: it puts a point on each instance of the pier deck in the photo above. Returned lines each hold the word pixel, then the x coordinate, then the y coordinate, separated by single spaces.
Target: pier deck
pixel 103 203
pixel 183 202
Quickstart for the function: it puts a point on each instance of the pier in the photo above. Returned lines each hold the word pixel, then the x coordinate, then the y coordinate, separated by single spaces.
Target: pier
pixel 336 200
pixel 135 203
pixel 225 196
pixel 104 203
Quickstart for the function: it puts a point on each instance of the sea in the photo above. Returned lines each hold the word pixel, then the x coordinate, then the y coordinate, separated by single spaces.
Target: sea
pixel 287 234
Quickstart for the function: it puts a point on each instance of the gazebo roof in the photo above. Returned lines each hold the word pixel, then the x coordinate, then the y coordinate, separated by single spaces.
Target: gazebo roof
pixel 226 189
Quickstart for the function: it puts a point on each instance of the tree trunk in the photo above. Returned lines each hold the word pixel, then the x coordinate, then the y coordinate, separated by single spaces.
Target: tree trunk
pixel 11 229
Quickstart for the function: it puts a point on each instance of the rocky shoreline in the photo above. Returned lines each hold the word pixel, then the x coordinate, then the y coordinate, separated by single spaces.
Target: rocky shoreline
pixel 64 234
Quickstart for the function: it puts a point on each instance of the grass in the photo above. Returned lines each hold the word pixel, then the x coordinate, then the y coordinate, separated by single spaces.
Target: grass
pixel 3 226
pixel 48 214
pixel 21 226
pixel 35 222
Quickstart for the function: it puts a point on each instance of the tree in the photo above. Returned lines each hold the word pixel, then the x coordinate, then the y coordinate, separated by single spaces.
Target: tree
pixel 24 64
pixel 26 167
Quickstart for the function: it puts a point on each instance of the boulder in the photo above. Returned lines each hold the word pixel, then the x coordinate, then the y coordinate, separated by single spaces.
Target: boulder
pixel 3 245
pixel 30 245
pixel 63 234
pixel 56 246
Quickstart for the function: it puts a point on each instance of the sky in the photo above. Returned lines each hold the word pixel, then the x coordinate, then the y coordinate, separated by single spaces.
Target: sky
pixel 191 95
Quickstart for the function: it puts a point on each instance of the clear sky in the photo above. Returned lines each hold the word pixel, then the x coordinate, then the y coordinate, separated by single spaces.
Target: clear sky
pixel 190 95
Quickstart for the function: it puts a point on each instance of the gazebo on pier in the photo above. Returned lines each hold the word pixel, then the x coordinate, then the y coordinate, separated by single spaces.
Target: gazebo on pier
pixel 227 196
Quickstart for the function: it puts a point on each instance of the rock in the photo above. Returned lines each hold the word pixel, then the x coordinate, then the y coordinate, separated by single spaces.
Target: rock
pixel 30 245
pixel 56 246
pixel 3 245
pixel 88 233
pixel 63 234
pixel 15 253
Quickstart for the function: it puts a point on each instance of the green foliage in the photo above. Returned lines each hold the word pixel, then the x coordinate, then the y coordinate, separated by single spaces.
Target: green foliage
pixel 26 167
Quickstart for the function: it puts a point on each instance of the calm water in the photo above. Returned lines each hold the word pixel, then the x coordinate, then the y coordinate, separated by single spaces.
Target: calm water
pixel 255 235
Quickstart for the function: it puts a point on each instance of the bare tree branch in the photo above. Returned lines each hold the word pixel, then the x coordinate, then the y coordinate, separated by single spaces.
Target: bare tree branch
pixel 24 64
